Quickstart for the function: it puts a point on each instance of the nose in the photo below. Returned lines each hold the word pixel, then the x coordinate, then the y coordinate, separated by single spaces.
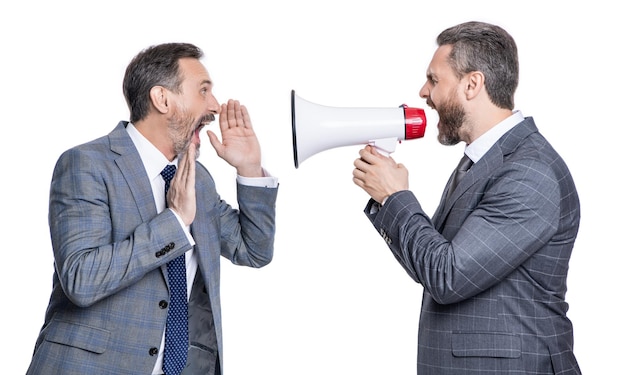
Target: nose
pixel 213 105
pixel 424 91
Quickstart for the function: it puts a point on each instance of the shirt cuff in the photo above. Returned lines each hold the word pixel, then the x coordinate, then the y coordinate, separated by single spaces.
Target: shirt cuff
pixel 267 181
pixel 185 228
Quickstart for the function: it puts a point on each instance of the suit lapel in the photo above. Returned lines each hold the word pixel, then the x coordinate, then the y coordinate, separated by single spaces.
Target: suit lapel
pixel 134 174
pixel 131 167
pixel 490 162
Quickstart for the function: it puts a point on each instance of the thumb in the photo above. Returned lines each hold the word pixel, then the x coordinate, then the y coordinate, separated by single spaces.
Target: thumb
pixel 215 142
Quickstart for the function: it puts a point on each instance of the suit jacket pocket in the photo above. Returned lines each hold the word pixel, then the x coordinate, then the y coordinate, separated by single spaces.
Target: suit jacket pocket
pixel 80 336
pixel 486 344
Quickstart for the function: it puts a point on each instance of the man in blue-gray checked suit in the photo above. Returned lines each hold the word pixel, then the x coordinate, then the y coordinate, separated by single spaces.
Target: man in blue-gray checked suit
pixel 115 231
pixel 493 259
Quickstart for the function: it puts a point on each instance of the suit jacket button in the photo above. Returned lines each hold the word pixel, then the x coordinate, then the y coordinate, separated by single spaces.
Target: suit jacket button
pixel 163 304
pixel 153 351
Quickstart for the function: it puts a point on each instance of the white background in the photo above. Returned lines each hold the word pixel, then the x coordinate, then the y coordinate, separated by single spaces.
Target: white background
pixel 333 301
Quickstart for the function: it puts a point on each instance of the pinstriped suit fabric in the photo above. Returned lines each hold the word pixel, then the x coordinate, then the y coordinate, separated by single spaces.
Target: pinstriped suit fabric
pixel 493 262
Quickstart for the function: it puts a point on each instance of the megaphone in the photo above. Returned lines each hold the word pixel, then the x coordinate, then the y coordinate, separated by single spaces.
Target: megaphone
pixel 317 128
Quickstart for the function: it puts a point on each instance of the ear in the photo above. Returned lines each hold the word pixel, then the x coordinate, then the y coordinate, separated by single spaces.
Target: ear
pixel 474 84
pixel 159 98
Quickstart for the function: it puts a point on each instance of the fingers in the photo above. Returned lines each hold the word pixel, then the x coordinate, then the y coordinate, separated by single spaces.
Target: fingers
pixel 215 142
pixel 190 165
pixel 182 193
pixel 234 115
pixel 361 166
pixel 185 177
pixel 358 177
pixel 223 117
pixel 247 123
pixel 371 156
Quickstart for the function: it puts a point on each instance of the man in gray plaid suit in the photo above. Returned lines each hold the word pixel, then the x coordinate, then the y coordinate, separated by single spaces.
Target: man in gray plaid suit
pixel 493 260
pixel 114 230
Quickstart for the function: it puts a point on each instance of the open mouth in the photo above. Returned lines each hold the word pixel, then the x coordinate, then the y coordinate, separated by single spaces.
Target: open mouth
pixel 199 128
pixel 196 132
pixel 205 120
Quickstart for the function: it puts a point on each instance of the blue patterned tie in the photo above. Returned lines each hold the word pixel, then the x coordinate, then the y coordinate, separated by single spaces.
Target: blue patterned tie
pixel 176 333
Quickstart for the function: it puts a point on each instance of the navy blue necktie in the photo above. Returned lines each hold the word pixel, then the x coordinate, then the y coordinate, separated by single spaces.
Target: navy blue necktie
pixel 176 331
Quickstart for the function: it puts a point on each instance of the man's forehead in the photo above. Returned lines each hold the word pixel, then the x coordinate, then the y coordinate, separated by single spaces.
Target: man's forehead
pixel 193 69
pixel 440 60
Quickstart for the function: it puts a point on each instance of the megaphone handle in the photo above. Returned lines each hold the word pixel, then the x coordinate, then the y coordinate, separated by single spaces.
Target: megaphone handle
pixel 385 146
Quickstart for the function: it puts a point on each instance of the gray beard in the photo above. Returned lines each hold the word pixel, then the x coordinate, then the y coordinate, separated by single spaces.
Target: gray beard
pixel 451 117
pixel 176 128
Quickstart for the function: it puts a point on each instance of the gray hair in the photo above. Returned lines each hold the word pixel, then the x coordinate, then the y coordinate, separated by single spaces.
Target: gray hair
pixel 154 66
pixel 479 46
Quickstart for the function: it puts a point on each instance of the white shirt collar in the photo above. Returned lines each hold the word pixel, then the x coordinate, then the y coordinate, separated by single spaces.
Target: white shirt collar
pixel 153 160
pixel 482 144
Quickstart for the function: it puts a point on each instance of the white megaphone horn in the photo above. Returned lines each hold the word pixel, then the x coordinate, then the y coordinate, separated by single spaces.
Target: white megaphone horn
pixel 317 128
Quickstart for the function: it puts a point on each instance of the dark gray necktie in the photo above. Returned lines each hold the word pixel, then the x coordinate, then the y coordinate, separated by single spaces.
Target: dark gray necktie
pixel 459 173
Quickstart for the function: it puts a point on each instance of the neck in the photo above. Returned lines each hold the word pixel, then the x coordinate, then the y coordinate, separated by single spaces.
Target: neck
pixel 156 132
pixel 487 119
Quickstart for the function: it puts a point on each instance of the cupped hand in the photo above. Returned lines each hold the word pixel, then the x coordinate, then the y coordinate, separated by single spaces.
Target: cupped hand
pixel 239 146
